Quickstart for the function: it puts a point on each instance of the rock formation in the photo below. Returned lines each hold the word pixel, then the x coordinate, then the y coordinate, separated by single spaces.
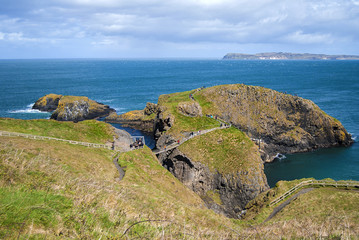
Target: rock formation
pixel 138 119
pixel 72 108
pixel 226 172
pixel 47 103
pixel 281 122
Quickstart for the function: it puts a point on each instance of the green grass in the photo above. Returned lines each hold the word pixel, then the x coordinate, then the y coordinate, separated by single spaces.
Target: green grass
pixel 87 131
pixel 22 207
pixel 227 150
pixel 183 123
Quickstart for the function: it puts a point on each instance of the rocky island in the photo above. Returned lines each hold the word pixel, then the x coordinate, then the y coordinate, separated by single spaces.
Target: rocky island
pixel 287 56
pixel 72 108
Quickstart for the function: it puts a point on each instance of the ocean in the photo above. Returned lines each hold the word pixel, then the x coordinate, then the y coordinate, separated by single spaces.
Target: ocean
pixel 129 84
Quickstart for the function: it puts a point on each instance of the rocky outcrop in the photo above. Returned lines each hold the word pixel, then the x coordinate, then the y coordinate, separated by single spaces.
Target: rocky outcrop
pixel 138 119
pixel 192 109
pixel 72 108
pixel 281 122
pixel 47 103
pixel 233 190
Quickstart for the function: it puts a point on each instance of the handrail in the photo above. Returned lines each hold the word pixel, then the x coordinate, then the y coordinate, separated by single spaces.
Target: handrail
pixel 87 144
pixel 313 183
pixel 202 132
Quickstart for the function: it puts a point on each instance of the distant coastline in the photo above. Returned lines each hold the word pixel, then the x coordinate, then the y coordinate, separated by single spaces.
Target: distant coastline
pixel 287 56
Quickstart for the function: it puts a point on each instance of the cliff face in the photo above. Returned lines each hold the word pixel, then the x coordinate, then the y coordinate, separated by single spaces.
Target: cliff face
pixel 222 166
pixel 73 108
pixel 281 122
pixel 224 191
pixel 138 119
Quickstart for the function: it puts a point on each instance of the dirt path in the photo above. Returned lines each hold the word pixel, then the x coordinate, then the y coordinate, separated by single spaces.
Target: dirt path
pixel 284 204
pixel 119 169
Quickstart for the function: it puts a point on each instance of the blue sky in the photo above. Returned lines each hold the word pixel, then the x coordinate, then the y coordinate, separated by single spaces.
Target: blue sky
pixel 182 28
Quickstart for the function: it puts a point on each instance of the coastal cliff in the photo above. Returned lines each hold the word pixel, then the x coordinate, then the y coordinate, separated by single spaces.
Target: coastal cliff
pixel 223 166
pixel 277 122
pixel 72 108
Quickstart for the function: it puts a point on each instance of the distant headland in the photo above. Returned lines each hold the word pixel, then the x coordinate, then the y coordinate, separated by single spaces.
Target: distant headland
pixel 287 56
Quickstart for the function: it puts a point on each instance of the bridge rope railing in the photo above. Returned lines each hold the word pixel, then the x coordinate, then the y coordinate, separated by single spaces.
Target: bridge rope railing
pixel 346 184
pixel 195 134
pixel 31 136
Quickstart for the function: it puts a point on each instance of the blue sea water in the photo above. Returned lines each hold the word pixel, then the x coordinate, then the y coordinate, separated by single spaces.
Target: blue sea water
pixel 128 84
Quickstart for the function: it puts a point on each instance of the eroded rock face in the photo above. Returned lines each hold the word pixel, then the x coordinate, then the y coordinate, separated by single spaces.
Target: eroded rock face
pixel 192 109
pixel 150 108
pixel 47 103
pixel 234 190
pixel 138 119
pixel 72 108
pixel 282 122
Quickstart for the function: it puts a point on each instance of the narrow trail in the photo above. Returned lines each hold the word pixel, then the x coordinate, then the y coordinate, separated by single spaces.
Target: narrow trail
pixel 119 168
pixel 285 203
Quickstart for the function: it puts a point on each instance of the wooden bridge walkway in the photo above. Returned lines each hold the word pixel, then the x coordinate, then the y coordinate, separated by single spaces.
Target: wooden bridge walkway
pixel 314 183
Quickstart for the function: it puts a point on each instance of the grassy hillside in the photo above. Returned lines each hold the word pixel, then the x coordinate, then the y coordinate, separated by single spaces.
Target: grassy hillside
pixel 225 150
pixel 55 190
pixel 183 123
pixel 87 131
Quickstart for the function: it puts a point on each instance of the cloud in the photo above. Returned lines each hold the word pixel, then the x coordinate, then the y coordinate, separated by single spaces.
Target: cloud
pixel 309 38
pixel 189 23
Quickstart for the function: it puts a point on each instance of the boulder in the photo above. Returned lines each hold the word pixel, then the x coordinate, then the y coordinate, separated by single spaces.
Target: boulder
pixel 192 109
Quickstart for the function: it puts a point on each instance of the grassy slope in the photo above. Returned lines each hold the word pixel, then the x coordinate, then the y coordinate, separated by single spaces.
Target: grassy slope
pixel 323 212
pixel 183 123
pixel 226 150
pixel 59 190
pixel 87 131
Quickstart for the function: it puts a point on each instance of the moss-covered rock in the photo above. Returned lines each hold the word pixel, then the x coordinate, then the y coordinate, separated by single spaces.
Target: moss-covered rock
pixel 75 108
pixel 47 103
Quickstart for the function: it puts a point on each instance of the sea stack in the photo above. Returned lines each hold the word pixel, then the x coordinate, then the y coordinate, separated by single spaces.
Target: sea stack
pixel 72 108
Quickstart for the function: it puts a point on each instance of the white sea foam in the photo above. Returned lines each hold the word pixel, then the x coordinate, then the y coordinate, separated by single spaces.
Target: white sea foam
pixel 280 156
pixel 105 101
pixel 120 110
pixel 28 109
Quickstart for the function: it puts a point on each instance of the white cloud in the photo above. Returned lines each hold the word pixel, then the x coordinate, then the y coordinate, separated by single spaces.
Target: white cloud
pixel 189 23
pixel 309 38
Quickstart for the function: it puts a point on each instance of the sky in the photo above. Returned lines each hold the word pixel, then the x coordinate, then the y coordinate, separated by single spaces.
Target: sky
pixel 175 29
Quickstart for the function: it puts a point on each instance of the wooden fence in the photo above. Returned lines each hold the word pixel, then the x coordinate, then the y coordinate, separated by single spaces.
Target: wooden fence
pixel 30 136
pixel 322 183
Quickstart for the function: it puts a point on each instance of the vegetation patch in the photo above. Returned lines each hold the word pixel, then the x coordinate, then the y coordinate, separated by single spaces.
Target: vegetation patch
pixel 86 131
pixel 226 150
pixel 183 123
